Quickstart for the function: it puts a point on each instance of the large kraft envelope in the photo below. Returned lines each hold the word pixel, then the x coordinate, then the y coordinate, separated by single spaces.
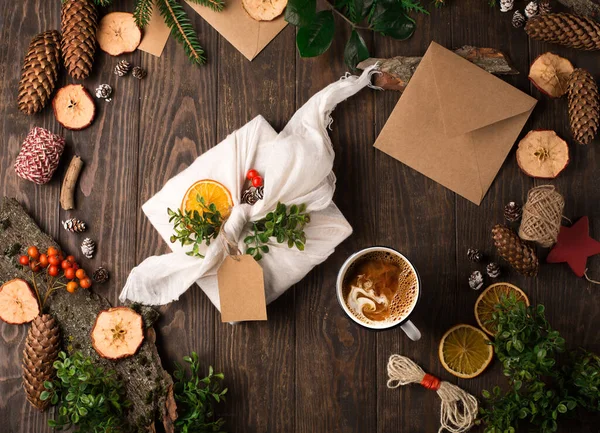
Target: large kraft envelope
pixel 455 123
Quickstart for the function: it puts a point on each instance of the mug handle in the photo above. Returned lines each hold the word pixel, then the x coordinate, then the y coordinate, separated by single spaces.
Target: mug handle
pixel 411 330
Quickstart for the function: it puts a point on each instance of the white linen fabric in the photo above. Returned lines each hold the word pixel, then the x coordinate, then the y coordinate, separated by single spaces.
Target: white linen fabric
pixel 296 165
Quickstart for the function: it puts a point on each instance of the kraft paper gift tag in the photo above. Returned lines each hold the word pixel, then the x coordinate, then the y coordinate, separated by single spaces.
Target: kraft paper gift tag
pixel 241 289
pixel 155 34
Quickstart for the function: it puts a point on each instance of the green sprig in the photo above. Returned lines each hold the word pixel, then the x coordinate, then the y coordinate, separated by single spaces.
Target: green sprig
pixel 181 28
pixel 142 13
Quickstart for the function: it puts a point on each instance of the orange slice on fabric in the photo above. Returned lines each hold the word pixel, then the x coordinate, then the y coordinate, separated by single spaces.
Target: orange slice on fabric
pixel 212 192
pixel 464 351
pixel 487 301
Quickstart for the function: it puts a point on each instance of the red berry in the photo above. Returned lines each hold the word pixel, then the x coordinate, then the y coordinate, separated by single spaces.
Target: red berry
pixel 65 264
pixel 52 251
pixel 53 270
pixel 69 273
pixel 80 274
pixel 33 252
pixel 43 260
pixel 24 260
pixel 251 174
pixel 74 266
pixel 72 286
pixel 54 260
pixel 86 283
pixel 71 259
pixel 35 266
pixel 257 181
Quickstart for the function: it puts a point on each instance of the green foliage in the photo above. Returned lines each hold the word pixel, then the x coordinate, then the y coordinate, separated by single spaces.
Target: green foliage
pixel 316 29
pixel 181 28
pixel 142 13
pixel 197 397
pixel 215 5
pixel 89 398
pixel 192 228
pixel 284 225
pixel 540 391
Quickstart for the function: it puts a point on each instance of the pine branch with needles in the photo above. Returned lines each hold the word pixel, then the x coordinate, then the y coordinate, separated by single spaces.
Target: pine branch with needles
pixel 181 28
pixel 142 12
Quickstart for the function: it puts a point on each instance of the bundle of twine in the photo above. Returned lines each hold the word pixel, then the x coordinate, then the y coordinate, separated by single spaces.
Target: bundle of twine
pixel 542 215
pixel 459 408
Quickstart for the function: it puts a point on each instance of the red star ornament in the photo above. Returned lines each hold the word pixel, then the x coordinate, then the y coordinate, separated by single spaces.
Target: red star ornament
pixel 574 246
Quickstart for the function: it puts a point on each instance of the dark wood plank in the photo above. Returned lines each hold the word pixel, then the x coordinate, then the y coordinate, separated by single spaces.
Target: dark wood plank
pixel 258 357
pixel 335 358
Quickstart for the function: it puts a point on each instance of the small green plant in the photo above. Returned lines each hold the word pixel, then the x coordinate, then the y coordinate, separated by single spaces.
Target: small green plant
pixel 197 397
pixel 192 228
pixel 584 376
pixel 284 225
pixel 89 397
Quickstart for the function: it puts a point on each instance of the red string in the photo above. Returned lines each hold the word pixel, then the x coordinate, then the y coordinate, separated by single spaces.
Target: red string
pixel 431 382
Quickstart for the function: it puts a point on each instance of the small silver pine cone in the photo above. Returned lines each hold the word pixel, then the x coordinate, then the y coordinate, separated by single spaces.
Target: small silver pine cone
pixel 544 7
pixel 518 19
pixel 88 247
pixel 531 9
pixel 249 196
pixel 506 5
pixel 122 68
pixel 493 270
pixel 74 225
pixel 260 192
pixel 100 275
pixel 139 73
pixel 512 212
pixel 103 91
pixel 476 280
pixel 474 255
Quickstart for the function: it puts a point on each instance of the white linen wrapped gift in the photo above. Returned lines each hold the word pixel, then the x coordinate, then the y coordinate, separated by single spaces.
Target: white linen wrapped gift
pixel 296 165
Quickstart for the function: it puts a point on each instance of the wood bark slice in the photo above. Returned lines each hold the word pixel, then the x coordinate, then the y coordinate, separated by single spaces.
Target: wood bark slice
pixel 397 71
pixel 67 191
pixel 586 8
pixel 148 385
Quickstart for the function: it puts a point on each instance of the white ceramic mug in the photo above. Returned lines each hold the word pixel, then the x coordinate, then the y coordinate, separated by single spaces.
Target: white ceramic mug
pixel 407 326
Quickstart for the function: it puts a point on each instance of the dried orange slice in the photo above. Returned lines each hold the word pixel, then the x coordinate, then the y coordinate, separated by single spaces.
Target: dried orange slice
pixel 464 351
pixel 212 192
pixel 489 298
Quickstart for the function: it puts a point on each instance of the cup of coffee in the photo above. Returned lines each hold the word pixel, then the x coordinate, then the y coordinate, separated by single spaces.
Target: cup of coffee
pixel 379 288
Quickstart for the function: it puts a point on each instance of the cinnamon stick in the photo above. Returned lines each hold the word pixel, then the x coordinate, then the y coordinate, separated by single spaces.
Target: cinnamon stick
pixel 67 191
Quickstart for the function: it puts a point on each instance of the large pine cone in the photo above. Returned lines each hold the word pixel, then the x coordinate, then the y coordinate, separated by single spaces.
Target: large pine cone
pixel 519 254
pixel 79 22
pixel 584 106
pixel 40 72
pixel 41 350
pixel 565 29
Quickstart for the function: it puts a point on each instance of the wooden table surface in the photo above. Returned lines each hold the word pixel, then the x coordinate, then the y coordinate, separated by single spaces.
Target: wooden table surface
pixel 309 369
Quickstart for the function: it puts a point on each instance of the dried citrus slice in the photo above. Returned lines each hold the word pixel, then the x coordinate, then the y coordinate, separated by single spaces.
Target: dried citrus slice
pixel 464 351
pixel 18 303
pixel 117 333
pixel 212 192
pixel 486 302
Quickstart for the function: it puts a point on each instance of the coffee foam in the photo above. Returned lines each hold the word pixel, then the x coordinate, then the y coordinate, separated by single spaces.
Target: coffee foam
pixel 363 298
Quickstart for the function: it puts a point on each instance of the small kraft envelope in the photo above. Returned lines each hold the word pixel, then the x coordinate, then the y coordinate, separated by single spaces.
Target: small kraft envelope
pixel 455 123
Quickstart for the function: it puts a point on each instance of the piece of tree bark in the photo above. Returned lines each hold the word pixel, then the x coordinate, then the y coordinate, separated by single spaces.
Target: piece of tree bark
pixel 397 71
pixel 67 191
pixel 587 8
pixel 148 386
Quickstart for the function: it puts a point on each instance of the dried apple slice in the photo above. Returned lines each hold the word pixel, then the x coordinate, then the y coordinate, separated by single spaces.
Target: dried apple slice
pixel 18 303
pixel 118 33
pixel 550 74
pixel 117 333
pixel 74 107
pixel 542 154
pixel 264 10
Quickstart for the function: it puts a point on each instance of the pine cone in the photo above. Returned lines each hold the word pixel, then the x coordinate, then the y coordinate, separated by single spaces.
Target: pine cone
pixel 41 350
pixel 531 9
pixel 513 212
pixel 40 72
pixel 474 255
pixel 260 192
pixel 506 5
pixel 100 275
pixel 122 68
pixel 519 254
pixel 249 196
pixel 476 280
pixel 88 247
pixel 518 19
pixel 103 91
pixel 493 270
pixel 79 22
pixel 138 73
pixel 584 106
pixel 74 225
pixel 565 29
pixel 544 8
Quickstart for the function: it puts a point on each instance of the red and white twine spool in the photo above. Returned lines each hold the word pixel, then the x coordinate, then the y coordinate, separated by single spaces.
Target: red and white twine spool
pixel 39 155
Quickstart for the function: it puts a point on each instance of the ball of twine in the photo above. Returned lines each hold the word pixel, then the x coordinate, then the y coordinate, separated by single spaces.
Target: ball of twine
pixel 39 155
pixel 542 215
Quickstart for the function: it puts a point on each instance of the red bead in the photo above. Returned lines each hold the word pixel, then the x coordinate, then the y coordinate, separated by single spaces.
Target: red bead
pixel 257 181
pixel 251 174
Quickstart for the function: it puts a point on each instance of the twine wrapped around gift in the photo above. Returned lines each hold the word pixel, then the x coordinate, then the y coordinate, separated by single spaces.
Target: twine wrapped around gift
pixel 542 215
pixel 459 408
pixel 39 155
